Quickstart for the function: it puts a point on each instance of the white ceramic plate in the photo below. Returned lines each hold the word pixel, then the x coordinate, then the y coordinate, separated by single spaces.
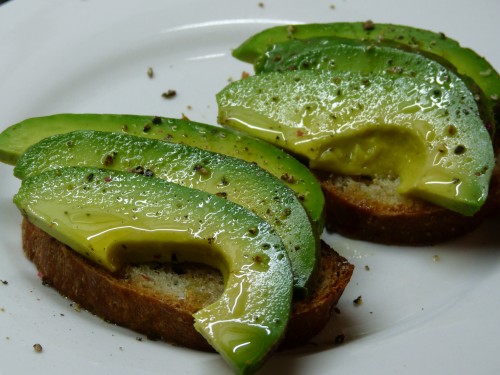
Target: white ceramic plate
pixel 420 315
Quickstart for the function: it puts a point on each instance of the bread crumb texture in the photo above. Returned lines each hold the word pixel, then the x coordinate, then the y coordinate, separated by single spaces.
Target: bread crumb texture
pixel 374 189
pixel 195 283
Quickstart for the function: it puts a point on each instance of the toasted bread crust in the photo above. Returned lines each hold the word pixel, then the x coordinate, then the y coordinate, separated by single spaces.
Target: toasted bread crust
pixel 158 315
pixel 420 223
pixel 355 214
pixel 363 217
pixel 106 295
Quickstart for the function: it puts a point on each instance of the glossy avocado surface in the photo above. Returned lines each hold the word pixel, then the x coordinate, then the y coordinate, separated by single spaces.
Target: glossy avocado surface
pixel 116 217
pixel 466 61
pixel 337 54
pixel 18 137
pixel 233 179
pixel 429 135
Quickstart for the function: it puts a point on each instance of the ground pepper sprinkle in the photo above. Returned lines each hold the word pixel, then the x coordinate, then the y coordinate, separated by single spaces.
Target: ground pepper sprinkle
pixel 169 94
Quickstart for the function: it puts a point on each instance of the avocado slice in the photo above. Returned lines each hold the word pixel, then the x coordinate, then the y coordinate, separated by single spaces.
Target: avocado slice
pixel 337 54
pixel 466 61
pixel 17 138
pixel 117 217
pixel 427 134
pixel 234 179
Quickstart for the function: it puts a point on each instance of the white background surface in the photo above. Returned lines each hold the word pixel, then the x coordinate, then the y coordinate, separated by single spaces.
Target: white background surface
pixel 419 316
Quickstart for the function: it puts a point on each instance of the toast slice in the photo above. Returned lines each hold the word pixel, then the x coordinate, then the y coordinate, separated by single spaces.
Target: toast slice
pixel 158 300
pixel 371 209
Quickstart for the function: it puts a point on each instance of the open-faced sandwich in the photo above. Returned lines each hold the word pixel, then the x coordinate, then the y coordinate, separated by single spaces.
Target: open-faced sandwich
pixel 210 237
pixel 397 123
pixel 143 224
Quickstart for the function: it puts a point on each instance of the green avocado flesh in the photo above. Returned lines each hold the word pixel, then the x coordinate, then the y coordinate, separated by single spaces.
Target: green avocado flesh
pixel 116 217
pixel 427 134
pixel 234 179
pixel 351 55
pixel 466 61
pixel 17 138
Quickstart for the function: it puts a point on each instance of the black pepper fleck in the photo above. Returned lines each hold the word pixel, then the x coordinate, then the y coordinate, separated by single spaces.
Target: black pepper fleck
pixel 460 149
pixel 201 169
pixel 339 339
pixel 109 159
pixel 358 301
pixel 253 231
pixel 288 178
pixel 452 129
pixel 169 94
pixel 286 212
pixel 139 170
pixel 368 25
